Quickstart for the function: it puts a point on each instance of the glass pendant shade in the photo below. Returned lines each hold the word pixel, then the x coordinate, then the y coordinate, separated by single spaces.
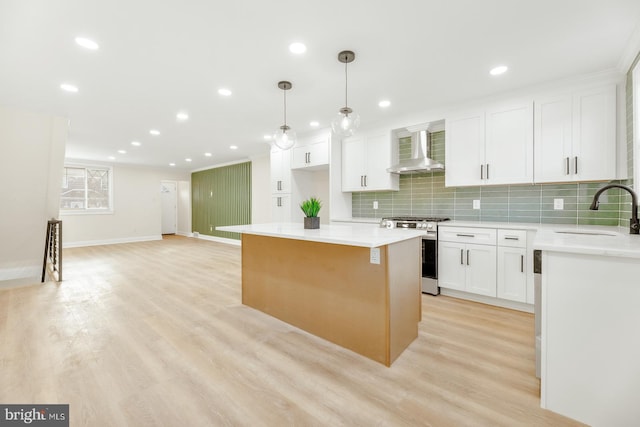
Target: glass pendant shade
pixel 284 138
pixel 345 123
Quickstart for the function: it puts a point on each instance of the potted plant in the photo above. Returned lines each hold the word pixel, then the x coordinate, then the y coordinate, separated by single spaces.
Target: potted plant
pixel 311 207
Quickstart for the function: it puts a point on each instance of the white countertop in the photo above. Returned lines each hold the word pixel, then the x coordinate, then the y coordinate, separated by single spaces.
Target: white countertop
pixel 614 241
pixel 579 239
pixel 351 234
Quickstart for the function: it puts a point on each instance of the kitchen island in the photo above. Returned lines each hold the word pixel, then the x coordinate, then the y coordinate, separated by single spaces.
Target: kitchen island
pixel 356 285
pixel 591 324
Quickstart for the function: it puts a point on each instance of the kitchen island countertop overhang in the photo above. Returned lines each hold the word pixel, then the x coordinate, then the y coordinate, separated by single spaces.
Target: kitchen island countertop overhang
pixel 351 234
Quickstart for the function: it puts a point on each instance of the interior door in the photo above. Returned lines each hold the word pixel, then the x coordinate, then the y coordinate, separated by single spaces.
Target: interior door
pixel 169 196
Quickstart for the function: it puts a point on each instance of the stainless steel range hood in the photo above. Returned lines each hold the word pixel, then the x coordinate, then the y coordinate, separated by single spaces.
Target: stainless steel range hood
pixel 420 160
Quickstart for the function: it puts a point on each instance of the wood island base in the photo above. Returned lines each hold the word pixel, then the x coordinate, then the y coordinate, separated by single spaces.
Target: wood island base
pixel 334 292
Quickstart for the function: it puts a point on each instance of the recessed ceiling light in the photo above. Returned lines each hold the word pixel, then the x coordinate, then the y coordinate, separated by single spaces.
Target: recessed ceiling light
pixel 384 103
pixel 187 159
pixel 154 132
pixel 136 143
pixel 224 92
pixel 182 116
pixel 207 154
pixel 498 70
pixel 68 87
pixel 87 43
pixel 267 137
pixel 314 124
pixel 233 147
pixel 172 164
pixel 297 48
pixel 122 151
pixel 111 158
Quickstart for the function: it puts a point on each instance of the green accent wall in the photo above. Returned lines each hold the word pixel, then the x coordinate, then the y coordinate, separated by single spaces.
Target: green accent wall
pixel 221 196
pixel 425 195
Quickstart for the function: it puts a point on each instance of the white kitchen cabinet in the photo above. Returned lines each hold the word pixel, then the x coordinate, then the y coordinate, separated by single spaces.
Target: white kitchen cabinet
pixel 365 159
pixel 464 266
pixel 281 208
pixel 512 265
pixel 575 136
pixel 280 171
pixel 492 146
pixel 312 155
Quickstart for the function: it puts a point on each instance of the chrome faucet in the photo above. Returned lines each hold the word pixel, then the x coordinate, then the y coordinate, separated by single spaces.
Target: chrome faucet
pixel 634 225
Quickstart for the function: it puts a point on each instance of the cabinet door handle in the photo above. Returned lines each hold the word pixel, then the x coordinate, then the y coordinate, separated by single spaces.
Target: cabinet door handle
pixel 461 256
pixel 575 169
pixel 521 263
pixel 279 185
pixel 279 201
pixel 567 167
pixel 511 238
pixel 487 170
pixel 361 181
pixel 466 235
pixel 467 256
pixel 365 180
pixel 481 171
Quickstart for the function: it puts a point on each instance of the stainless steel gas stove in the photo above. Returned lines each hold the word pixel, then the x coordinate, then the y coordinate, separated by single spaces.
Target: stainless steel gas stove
pixel 429 245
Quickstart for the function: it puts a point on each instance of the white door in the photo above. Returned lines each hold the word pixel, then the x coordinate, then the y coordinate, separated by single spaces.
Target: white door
pixel 169 196
pixel 481 269
pixel 451 269
pixel 464 150
pixel 509 144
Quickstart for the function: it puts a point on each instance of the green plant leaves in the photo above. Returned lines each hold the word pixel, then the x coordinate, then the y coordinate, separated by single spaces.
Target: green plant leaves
pixel 311 207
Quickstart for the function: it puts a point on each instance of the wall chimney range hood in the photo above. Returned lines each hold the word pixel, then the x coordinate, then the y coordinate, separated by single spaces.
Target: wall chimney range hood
pixel 420 161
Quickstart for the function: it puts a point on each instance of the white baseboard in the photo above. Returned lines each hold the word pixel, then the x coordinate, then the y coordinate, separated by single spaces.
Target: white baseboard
pixel 20 273
pixel 513 305
pixel 184 233
pixel 220 240
pixel 110 241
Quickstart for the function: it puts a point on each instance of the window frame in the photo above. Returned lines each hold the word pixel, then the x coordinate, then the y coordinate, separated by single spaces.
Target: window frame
pixel 86 210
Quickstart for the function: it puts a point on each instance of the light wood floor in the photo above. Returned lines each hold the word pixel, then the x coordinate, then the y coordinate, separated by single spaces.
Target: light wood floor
pixel 154 334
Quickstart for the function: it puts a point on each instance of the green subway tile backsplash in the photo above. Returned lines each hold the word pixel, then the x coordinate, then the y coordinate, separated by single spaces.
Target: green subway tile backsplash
pixel 424 194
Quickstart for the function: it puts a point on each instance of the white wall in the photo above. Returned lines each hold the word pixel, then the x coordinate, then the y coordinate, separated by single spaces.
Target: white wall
pixel 31 157
pixel 184 208
pixel 260 192
pixel 137 211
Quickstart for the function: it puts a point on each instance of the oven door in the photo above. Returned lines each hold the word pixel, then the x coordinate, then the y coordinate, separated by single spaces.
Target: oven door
pixel 430 265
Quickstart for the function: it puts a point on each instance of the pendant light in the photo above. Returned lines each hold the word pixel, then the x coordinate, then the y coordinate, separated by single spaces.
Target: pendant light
pixel 285 137
pixel 346 122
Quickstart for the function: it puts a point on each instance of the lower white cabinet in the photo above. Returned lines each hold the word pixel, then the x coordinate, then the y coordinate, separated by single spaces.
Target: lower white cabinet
pixel 281 208
pixel 484 261
pixel 468 267
pixel 512 265
pixel 467 259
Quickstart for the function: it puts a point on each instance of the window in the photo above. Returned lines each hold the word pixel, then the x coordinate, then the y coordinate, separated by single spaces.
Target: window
pixel 86 189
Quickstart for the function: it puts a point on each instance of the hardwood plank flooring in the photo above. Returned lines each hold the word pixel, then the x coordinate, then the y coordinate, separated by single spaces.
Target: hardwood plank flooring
pixel 154 334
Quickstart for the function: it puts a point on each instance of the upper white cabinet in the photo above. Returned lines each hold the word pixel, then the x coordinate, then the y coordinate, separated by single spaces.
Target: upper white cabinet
pixel 311 155
pixel 491 146
pixel 365 159
pixel 575 136
pixel 280 171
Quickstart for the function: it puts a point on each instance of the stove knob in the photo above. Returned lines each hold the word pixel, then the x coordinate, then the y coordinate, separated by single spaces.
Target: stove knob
pixel 389 224
pixel 430 226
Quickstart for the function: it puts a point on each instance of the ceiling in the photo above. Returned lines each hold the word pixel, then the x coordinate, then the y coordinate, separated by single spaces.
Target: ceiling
pixel 157 58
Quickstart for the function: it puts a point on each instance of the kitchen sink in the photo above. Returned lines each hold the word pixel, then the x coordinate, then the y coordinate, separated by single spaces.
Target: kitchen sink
pixel 588 233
